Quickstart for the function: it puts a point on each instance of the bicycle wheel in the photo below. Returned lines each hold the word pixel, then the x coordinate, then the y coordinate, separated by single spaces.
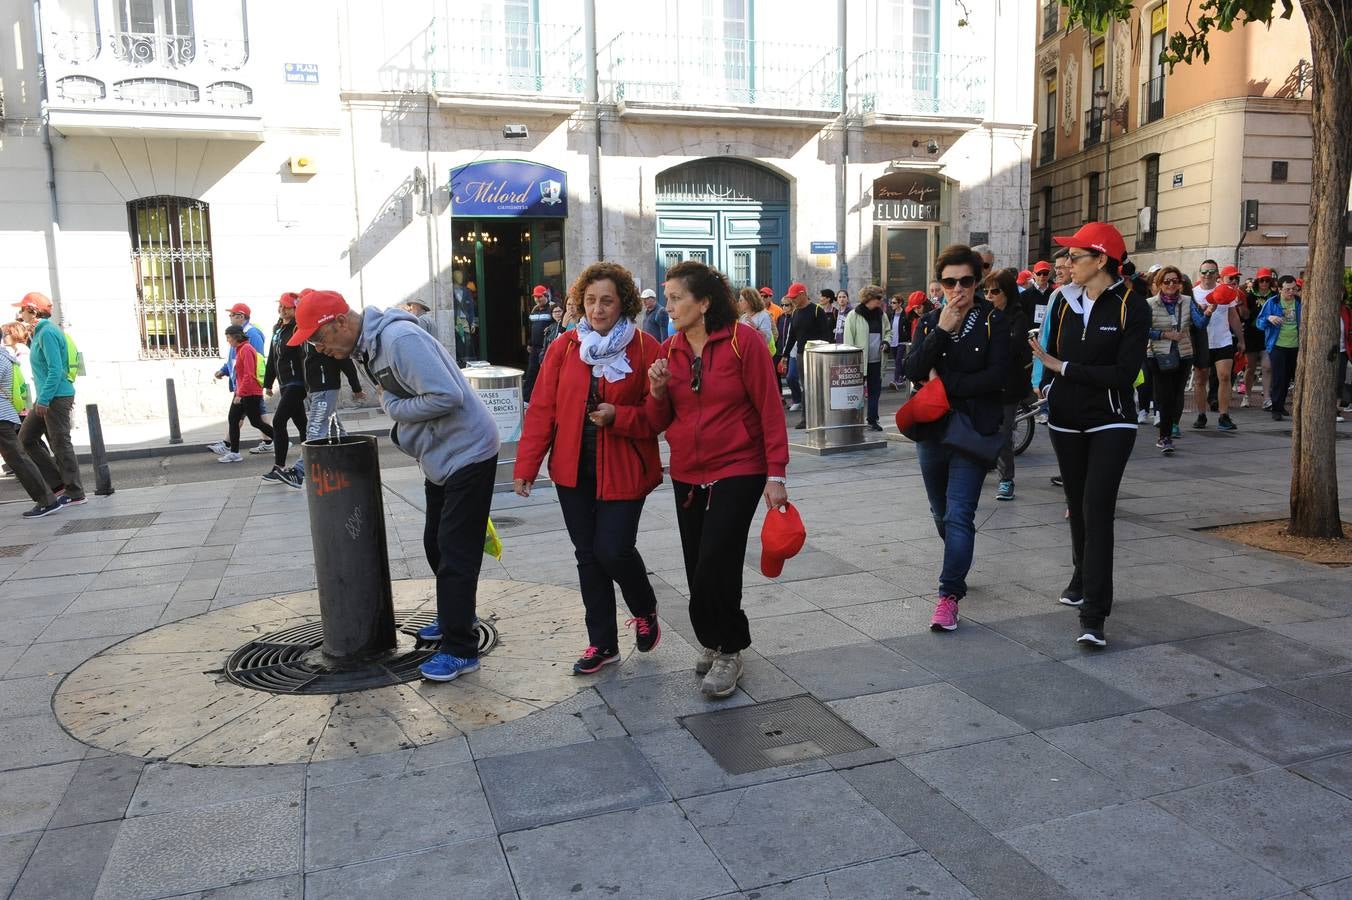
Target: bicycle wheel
pixel 1024 426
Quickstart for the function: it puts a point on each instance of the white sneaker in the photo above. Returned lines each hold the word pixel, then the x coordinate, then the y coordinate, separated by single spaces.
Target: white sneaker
pixel 261 448
pixel 218 447
pixel 1155 418
pixel 1142 417
pixel 794 407
pixel 228 457
pixel 1244 403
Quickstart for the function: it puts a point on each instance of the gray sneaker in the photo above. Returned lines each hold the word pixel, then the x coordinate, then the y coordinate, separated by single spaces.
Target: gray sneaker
pixel 723 674
pixel 705 661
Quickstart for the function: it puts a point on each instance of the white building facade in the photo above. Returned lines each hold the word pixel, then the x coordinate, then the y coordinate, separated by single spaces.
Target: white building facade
pixel 162 160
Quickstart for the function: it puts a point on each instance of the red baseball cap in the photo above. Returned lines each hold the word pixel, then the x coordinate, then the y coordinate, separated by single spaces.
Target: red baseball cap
pixel 1300 282
pixel 242 309
pixel 1042 266
pixel 1229 271
pixel 315 309
pixel 797 289
pixel 766 292
pixel 540 291
pixel 34 300
pixel 929 404
pixel 1223 294
pixel 1098 236
pixel 289 300
pixel 782 536
pixel 1025 276
pixel 1264 272
pixel 916 300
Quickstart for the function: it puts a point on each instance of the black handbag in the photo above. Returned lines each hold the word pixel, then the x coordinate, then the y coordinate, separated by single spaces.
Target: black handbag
pixel 961 436
pixel 1171 360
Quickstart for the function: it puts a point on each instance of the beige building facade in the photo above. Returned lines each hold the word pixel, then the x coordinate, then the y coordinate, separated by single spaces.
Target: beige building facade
pixel 1176 160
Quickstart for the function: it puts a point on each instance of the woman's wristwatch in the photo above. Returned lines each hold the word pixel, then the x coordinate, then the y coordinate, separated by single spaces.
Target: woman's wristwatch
pixel 778 479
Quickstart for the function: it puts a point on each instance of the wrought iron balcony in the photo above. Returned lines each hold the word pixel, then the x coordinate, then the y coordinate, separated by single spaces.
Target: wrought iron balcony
pixel 694 71
pixel 1047 152
pixel 1093 126
pixel 504 58
pixel 1152 95
pixel 909 83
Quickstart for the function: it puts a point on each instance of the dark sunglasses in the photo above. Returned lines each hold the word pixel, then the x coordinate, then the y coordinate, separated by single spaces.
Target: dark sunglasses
pixel 1209 271
pixel 695 369
pixel 966 281
pixel 994 290
pixel 1171 281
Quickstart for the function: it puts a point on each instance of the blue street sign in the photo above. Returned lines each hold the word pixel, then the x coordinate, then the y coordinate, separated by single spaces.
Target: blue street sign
pixel 302 73
pixel 825 247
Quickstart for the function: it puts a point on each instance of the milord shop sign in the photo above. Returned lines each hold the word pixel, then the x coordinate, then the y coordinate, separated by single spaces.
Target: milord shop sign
pixel 906 197
pixel 509 188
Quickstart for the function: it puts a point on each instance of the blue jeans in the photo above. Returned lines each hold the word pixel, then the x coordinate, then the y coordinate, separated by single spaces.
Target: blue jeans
pixel 795 386
pixel 953 484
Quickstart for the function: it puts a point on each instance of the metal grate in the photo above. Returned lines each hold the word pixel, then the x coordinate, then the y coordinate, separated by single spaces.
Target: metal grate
pixel 109 523
pixel 502 523
pixel 172 262
pixel 779 733
pixel 14 551
pixel 284 662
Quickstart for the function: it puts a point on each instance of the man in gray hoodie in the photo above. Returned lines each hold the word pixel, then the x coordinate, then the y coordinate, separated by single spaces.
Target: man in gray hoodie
pixel 439 421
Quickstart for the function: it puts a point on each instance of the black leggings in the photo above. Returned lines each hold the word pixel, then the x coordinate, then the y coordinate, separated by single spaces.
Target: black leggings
pixel 252 407
pixel 1169 400
pixel 714 522
pixel 1091 467
pixel 290 408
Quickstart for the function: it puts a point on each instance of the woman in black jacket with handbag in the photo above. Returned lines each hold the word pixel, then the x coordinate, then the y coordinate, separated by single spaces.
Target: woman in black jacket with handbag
pixel 1095 348
pixel 965 344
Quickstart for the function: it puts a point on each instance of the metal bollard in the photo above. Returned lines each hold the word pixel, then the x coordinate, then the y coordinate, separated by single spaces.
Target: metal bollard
pixel 352 565
pixel 175 432
pixel 103 479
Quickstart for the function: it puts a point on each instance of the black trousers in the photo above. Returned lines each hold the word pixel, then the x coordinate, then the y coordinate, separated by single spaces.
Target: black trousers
pixel 534 356
pixel 12 452
pixel 453 539
pixel 55 426
pixel 1283 370
pixel 874 383
pixel 714 522
pixel 290 408
pixel 1169 390
pixel 1091 468
pixel 604 534
pixel 251 407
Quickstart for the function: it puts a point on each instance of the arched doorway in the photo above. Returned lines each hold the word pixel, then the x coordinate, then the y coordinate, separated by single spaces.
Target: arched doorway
pixel 729 213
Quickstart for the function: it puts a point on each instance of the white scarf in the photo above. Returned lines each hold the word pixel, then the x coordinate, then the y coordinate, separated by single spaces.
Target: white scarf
pixel 605 353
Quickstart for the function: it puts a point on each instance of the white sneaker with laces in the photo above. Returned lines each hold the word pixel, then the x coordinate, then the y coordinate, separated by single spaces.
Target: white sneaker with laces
pixel 261 448
pixel 228 457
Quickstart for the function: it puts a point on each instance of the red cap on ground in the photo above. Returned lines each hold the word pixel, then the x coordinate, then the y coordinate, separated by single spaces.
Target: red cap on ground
pixel 797 289
pixel 1042 266
pixel 242 309
pixel 540 291
pixel 1223 294
pixel 1025 276
pixel 288 300
pixel 782 536
pixel 1229 271
pixel 34 300
pixel 1098 236
pixel 929 404
pixel 1264 272
pixel 766 292
pixel 315 309
pixel 916 300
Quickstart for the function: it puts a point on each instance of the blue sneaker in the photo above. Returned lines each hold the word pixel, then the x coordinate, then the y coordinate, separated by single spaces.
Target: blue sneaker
pixel 430 632
pixel 445 667
pixel 1005 491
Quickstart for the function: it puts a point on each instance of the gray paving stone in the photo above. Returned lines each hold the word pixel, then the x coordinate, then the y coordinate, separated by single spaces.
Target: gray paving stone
pixel 1258 606
pixel 1290 826
pixel 853 670
pixel 1283 728
pixel 808 565
pixel 168 786
pixel 563 860
pixel 981 861
pixel 1053 633
pixel 1048 694
pixel 104 623
pixel 67 862
pixel 1035 781
pixel 786 829
pixel 972 648
pixel 210 846
pixel 474 869
pixel 1329 691
pixel 1331 593
pixel 846 590
pixel 288 887
pixel 1268 656
pixel 888 618
pixel 553 727
pixel 913 875
pixel 1334 773
pixel 924 718
pixel 389 814
pixel 15 851
pixel 99 792
pixel 38 741
pixel 27 696
pixel 58 657
pixel 1151 752
pixel 28 797
pixel 1161 674
pixel 564 783
pixel 1138 850
pixel 655 702
pixel 778 635
pixel 360 768
pixel 761 601
pixel 1333 635
pixel 762 680
pixel 688 770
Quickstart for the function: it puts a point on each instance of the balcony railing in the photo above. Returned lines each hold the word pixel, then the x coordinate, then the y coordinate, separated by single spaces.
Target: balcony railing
pixel 1047 152
pixel 1153 92
pixel 683 70
pixel 139 49
pixel 905 82
pixel 1093 127
pixel 487 56
pixel 1050 18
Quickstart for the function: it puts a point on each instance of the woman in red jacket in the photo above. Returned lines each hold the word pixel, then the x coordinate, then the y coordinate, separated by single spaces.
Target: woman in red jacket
pixel 586 412
pixel 715 394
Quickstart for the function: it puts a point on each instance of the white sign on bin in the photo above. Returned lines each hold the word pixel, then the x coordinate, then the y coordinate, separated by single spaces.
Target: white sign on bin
pixel 505 405
pixel 847 387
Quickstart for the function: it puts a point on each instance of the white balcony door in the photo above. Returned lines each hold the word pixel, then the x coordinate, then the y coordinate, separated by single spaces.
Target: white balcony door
pixel 728 50
pixel 155 31
pixel 906 32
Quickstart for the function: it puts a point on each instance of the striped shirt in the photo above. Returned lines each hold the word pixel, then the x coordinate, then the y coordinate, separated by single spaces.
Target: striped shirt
pixel 7 366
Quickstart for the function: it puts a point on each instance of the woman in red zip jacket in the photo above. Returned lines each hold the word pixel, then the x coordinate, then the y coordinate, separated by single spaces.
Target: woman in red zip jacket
pixel 715 394
pixel 586 412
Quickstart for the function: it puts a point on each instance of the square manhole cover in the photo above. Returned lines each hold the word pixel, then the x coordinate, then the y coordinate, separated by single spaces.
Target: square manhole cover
pixel 779 733
pixel 15 551
pixel 109 523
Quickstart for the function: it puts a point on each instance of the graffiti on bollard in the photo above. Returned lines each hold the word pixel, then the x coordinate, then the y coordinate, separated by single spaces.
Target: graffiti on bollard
pixel 327 481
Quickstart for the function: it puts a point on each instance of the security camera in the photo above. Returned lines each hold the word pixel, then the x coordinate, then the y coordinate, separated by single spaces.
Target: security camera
pixel 932 147
pixel 515 132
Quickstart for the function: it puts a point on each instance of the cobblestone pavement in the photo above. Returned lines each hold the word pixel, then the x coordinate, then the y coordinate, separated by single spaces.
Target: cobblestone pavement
pixel 1207 753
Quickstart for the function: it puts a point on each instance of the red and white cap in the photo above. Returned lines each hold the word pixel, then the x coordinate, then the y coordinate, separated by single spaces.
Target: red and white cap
pixel 1098 236
pixel 316 308
pixel 1229 271
pixel 242 309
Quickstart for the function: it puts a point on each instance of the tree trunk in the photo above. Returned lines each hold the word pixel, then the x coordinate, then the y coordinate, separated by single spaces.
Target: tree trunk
pixel 1314 469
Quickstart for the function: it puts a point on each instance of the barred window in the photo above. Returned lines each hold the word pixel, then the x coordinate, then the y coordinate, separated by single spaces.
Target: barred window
pixel 171 262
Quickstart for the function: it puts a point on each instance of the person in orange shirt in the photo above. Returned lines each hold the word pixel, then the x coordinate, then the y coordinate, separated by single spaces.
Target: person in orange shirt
pixel 773 308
